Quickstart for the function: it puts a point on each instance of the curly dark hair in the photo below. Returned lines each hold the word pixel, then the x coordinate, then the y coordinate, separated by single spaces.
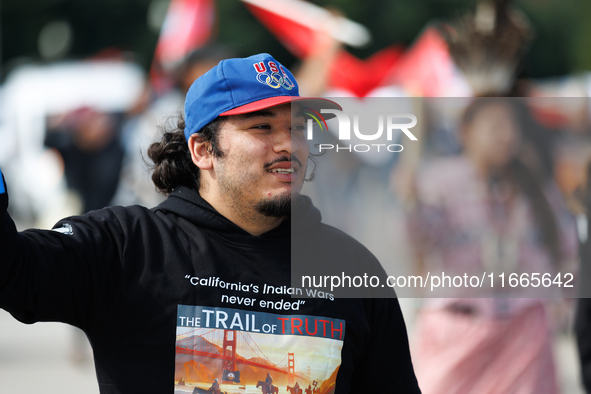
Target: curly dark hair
pixel 173 166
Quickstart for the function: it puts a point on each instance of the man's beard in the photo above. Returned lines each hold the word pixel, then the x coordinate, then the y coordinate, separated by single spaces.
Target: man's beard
pixel 277 207
pixel 271 207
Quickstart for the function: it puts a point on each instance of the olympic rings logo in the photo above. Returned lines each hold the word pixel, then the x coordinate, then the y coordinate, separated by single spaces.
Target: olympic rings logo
pixel 273 78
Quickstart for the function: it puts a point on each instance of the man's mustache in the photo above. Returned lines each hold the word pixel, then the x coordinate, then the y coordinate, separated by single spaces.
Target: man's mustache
pixel 283 158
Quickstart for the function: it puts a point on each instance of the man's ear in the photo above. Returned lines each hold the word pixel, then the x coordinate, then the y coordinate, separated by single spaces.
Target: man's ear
pixel 200 154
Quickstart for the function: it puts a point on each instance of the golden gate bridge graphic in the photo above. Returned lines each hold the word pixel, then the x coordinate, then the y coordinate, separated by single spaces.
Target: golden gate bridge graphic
pixel 222 344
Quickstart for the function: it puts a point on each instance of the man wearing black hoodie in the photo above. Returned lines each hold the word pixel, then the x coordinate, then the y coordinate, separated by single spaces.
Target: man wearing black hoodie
pixel 200 287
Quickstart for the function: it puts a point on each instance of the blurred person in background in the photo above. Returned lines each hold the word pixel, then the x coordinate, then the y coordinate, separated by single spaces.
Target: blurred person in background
pixel 89 144
pixel 493 209
pixel 486 211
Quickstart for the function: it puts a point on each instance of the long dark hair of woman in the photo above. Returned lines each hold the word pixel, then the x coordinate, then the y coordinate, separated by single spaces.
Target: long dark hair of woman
pixel 523 178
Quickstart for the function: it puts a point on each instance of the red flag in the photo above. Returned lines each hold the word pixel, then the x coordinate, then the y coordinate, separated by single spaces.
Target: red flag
pixel 296 37
pixel 188 25
pixel 296 23
pixel 360 77
pixel 427 69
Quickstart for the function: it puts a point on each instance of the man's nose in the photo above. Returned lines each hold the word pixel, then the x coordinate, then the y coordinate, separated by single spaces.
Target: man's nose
pixel 283 140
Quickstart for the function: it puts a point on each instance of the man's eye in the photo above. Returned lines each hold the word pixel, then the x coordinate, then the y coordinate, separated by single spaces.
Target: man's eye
pixel 261 126
pixel 298 127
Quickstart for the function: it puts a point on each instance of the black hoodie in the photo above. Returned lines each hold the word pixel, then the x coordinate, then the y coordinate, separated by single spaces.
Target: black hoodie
pixel 174 297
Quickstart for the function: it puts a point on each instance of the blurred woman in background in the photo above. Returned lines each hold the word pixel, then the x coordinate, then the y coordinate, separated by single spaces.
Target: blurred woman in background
pixel 486 211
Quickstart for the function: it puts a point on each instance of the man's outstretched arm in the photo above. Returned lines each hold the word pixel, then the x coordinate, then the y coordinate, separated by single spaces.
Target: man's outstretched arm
pixel 55 275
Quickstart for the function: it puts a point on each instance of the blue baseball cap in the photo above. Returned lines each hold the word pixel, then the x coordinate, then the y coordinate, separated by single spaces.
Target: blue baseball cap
pixel 243 85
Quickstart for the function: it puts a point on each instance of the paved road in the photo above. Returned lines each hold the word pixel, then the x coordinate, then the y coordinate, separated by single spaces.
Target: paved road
pixel 38 358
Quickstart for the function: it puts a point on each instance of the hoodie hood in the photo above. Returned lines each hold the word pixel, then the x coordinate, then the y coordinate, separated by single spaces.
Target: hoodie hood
pixel 188 204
